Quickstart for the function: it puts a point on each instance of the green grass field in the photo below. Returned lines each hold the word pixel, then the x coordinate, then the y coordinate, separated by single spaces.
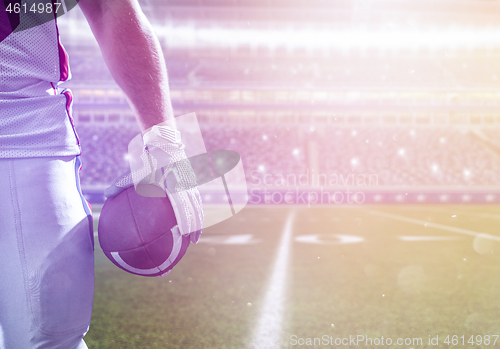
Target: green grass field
pixel 373 271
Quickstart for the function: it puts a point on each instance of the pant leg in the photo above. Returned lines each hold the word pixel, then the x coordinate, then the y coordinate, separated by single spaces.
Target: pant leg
pixel 46 254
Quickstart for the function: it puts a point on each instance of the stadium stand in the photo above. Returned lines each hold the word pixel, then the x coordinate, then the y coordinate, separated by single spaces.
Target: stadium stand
pixel 397 156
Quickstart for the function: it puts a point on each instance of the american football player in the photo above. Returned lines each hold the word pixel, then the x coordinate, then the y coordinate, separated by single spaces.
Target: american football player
pixel 46 237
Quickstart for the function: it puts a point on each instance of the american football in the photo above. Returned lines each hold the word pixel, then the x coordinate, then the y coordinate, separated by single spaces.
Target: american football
pixel 140 234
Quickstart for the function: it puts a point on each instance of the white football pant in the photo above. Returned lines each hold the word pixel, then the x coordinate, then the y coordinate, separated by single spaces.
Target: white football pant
pixel 46 255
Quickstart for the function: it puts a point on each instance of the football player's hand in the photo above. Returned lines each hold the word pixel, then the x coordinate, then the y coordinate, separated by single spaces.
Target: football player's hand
pixel 165 171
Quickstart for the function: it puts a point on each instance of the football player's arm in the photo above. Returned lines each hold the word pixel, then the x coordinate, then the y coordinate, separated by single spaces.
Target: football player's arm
pixel 133 55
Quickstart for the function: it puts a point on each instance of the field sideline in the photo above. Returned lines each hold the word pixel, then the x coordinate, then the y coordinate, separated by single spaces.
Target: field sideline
pixel 279 277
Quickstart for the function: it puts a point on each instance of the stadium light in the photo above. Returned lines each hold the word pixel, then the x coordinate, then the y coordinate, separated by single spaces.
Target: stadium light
pixel 184 36
pixel 181 35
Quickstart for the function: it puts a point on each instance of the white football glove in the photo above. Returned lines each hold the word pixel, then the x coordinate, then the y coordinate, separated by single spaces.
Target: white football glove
pixel 166 171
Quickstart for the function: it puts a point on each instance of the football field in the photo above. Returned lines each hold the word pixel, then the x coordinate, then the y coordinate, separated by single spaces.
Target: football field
pixel 393 276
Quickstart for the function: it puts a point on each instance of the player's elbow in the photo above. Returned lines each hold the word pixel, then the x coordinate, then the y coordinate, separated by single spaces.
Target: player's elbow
pixel 104 15
pixel 93 11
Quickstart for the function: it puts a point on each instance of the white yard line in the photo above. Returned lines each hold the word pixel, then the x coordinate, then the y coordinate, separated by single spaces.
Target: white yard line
pixel 268 332
pixel 428 238
pixel 434 225
pixel 458 212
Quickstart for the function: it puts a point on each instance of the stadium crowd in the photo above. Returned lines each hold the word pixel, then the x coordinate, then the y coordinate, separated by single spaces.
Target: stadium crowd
pixel 398 156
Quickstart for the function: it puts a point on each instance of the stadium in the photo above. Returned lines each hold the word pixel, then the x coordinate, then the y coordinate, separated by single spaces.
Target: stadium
pixel 369 134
